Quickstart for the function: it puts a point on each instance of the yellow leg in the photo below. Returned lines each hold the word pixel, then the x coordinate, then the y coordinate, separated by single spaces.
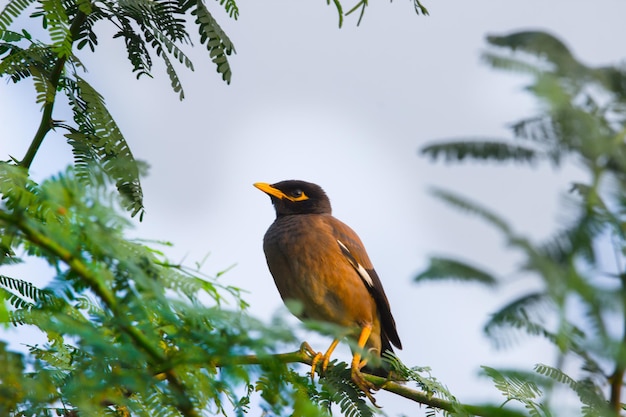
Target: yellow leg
pixel 357 364
pixel 356 359
pixel 329 352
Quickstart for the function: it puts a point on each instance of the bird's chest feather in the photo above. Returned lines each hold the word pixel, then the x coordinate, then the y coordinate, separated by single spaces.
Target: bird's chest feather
pixel 307 264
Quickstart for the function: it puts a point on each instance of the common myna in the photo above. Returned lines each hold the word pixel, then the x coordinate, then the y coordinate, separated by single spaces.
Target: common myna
pixel 321 263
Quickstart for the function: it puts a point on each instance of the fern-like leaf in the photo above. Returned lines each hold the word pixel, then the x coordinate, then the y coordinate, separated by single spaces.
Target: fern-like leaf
pixel 12 10
pixel 100 140
pixel 138 54
pixel 513 386
pixel 45 90
pixel 21 63
pixel 480 150
pixel 231 8
pixel 541 45
pixel 556 375
pixel 440 269
pixel 58 26
pixel 590 394
pixel 471 207
pixel 218 44
pixel 172 49
pixel 343 392
pixel 24 288
pixel 174 80
pixel 518 314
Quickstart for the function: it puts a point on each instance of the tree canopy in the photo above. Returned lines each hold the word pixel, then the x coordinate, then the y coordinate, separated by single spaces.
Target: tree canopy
pixel 131 333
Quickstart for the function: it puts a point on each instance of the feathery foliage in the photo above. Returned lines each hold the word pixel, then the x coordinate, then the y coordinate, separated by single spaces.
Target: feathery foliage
pixel 128 332
pixel 487 150
pixel 99 140
pixel 582 119
pixel 519 387
pixel 440 268
pixel 148 29
pixel 140 335
pixel 122 323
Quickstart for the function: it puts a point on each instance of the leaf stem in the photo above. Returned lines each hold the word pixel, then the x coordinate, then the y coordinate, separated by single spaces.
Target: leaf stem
pixel 47 123
pixel 617 379
pixel 302 356
pixel 94 282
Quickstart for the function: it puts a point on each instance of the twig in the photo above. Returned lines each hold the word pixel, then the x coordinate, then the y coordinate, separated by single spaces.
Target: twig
pixel 47 123
pixel 302 356
pixel 184 404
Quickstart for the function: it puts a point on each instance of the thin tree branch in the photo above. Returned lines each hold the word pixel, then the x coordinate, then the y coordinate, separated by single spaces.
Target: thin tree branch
pixel 617 379
pixel 47 123
pixel 304 357
pixel 34 235
pixel 184 404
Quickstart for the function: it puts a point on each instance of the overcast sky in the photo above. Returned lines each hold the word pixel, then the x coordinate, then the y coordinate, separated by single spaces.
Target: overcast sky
pixel 347 109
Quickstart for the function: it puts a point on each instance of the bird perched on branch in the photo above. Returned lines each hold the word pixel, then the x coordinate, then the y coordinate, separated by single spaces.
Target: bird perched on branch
pixel 319 262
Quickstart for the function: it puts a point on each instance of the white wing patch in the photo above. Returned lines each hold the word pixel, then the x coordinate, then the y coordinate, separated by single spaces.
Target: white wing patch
pixel 359 268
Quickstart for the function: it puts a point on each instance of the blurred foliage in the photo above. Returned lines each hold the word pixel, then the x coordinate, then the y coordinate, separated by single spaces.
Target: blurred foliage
pixel 148 28
pixel 131 334
pixel 128 332
pixel 581 308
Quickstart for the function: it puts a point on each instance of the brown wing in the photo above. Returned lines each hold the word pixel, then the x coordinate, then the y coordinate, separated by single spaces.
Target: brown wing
pixel 354 251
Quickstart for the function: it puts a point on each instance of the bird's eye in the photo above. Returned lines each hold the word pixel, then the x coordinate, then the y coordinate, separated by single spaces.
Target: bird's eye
pixel 296 193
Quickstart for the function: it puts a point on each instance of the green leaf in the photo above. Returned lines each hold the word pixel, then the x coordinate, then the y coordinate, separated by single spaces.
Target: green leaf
pixel 212 35
pixel 99 140
pixel 58 27
pixel 231 8
pixel 420 8
pixel 520 314
pixel 12 10
pixel 455 200
pixel 541 45
pixel 481 151
pixel 175 81
pixel 22 63
pixel 513 385
pixel 339 388
pixel 440 269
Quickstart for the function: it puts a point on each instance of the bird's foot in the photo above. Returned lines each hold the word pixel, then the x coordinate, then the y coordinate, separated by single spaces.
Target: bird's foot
pixel 308 350
pixel 315 358
pixel 364 385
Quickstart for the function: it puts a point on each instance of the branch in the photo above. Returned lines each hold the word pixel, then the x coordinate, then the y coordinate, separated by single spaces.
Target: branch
pixel 184 404
pixel 617 379
pixel 46 119
pixel 303 356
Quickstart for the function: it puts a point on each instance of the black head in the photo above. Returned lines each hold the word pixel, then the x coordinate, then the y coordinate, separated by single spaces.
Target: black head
pixel 296 197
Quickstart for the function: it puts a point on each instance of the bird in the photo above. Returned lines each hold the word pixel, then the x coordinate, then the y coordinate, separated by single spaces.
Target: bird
pixel 321 263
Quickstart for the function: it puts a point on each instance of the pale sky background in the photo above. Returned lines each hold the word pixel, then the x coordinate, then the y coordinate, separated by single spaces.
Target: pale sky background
pixel 347 109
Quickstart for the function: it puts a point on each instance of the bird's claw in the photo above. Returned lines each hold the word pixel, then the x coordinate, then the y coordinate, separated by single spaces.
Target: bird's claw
pixel 307 349
pixel 315 358
pixel 314 363
pixel 364 385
